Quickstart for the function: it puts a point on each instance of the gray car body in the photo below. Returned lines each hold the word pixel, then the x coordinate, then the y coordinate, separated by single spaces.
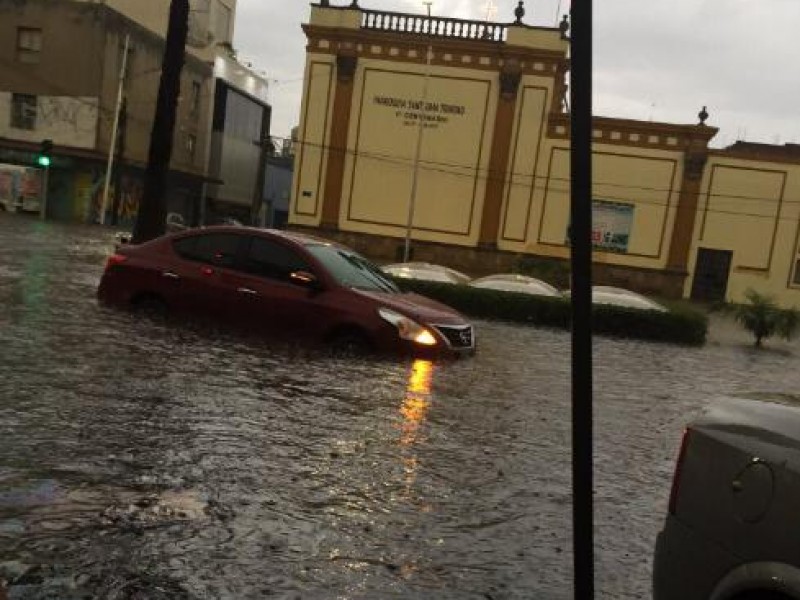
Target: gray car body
pixel 734 531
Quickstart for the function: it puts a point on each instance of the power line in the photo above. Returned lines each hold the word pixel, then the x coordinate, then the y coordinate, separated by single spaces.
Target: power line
pixel 477 173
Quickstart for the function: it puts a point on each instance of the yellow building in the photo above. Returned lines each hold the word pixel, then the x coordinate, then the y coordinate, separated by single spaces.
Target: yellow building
pixel 473 115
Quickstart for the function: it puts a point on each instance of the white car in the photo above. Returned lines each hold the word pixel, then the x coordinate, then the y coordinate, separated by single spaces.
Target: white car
pixel 603 294
pixel 425 272
pixel 511 282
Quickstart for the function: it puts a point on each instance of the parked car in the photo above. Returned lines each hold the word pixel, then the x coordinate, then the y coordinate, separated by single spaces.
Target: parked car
pixel 283 284
pixel 732 530
pixel 425 272
pixel 512 282
pixel 602 294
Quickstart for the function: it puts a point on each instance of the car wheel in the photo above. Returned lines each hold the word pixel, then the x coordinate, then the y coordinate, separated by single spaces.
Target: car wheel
pixel 150 306
pixel 350 343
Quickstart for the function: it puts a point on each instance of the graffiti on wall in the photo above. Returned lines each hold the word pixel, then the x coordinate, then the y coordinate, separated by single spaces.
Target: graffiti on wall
pixel 89 197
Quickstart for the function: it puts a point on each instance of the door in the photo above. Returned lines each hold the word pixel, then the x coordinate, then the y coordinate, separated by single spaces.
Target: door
pixel 194 280
pixel 263 294
pixel 711 275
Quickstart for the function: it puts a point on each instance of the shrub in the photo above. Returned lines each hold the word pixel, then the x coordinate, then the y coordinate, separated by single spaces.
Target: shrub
pixel 682 326
pixel 555 272
pixel 764 318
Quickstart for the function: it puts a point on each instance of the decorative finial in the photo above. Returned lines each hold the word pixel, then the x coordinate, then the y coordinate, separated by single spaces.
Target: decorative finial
pixel 702 115
pixel 324 3
pixel 354 4
pixel 519 12
pixel 563 27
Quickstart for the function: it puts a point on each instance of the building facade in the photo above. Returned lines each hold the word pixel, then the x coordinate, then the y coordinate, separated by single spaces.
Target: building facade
pixel 239 142
pixel 462 126
pixel 60 65
pixel 61 62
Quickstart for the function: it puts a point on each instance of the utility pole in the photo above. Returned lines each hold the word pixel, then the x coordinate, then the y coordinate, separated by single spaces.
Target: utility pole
pixel 114 128
pixel 265 149
pixel 152 211
pixel 121 141
pixel 420 129
pixel 581 256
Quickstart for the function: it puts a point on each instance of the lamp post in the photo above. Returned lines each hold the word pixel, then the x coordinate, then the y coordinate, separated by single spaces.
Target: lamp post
pixel 115 129
pixel 420 127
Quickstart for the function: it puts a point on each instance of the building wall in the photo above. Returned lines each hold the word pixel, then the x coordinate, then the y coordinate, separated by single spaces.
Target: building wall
pixel 207 24
pixel 539 222
pixel 493 177
pixel 751 208
pixel 67 121
pixel 455 145
pixel 62 23
pixel 141 91
pixel 316 112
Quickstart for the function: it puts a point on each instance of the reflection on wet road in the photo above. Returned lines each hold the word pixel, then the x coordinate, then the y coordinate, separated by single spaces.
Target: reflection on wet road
pixel 140 460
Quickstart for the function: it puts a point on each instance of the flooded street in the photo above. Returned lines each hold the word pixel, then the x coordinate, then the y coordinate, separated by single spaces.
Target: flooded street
pixel 147 460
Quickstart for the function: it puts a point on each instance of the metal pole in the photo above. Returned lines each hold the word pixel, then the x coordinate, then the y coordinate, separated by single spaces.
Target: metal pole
pixel 43 203
pixel 114 128
pixel 420 129
pixel 581 256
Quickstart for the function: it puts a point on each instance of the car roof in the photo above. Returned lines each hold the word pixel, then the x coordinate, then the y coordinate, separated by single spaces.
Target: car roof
pixel 299 238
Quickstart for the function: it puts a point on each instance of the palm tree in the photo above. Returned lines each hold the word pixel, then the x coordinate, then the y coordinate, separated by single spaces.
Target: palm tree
pixel 764 318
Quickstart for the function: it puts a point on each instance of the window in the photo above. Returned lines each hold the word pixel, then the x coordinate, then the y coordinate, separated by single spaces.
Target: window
pixel 272 260
pixel 29 45
pixel 351 269
pixel 194 106
pixel 215 249
pixel 23 111
pixel 796 278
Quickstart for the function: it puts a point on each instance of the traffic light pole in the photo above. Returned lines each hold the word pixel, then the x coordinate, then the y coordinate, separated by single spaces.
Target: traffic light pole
pixel 43 202
pixel 114 129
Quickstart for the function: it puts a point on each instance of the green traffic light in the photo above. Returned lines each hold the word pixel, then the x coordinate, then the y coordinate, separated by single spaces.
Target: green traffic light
pixel 44 161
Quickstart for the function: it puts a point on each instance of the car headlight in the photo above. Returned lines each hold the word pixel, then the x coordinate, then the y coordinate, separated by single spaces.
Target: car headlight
pixel 408 329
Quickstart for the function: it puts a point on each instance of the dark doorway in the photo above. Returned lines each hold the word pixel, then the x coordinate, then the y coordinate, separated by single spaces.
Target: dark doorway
pixel 711 275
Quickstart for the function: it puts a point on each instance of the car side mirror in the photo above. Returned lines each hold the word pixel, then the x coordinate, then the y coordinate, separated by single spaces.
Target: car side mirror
pixel 306 279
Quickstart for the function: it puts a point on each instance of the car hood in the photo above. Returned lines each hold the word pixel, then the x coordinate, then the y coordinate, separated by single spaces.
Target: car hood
pixel 417 307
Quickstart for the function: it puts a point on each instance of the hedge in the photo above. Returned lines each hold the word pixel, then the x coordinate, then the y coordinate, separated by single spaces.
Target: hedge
pixel 680 325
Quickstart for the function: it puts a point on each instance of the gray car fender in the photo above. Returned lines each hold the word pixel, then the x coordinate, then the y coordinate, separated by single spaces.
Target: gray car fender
pixel 761 576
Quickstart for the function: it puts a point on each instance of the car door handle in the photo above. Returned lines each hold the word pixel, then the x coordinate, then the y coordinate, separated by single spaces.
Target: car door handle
pixel 246 290
pixel 170 275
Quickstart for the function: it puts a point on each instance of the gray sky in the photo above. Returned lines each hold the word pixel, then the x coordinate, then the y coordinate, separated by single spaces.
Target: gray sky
pixel 658 60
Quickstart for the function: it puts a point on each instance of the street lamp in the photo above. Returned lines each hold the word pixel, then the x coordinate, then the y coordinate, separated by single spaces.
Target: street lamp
pixel 420 126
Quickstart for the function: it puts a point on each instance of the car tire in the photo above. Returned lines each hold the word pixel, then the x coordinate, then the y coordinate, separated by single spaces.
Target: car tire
pixel 350 342
pixel 151 307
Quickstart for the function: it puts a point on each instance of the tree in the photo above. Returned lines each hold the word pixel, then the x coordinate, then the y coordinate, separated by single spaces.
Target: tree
pixel 762 317
pixel 150 221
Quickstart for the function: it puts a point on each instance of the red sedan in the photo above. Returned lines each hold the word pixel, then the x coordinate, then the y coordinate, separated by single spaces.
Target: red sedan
pixel 282 284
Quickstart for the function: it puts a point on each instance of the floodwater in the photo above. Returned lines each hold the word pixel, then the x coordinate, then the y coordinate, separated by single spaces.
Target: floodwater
pixel 144 460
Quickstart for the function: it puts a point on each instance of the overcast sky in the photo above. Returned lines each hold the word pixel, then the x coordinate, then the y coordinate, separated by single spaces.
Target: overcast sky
pixel 658 60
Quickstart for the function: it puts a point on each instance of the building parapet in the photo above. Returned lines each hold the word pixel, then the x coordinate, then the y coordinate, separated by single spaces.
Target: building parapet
pixel 446 27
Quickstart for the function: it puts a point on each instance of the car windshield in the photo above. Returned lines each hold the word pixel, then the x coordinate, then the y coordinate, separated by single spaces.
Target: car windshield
pixel 352 270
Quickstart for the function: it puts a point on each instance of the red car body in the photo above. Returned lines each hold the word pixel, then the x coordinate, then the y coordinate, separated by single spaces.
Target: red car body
pixel 282 284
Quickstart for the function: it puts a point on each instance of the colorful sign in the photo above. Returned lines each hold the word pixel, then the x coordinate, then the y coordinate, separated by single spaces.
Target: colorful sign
pixel 611 225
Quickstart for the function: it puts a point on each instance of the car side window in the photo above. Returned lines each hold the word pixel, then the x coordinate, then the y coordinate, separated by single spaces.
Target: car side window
pixel 273 260
pixel 215 248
